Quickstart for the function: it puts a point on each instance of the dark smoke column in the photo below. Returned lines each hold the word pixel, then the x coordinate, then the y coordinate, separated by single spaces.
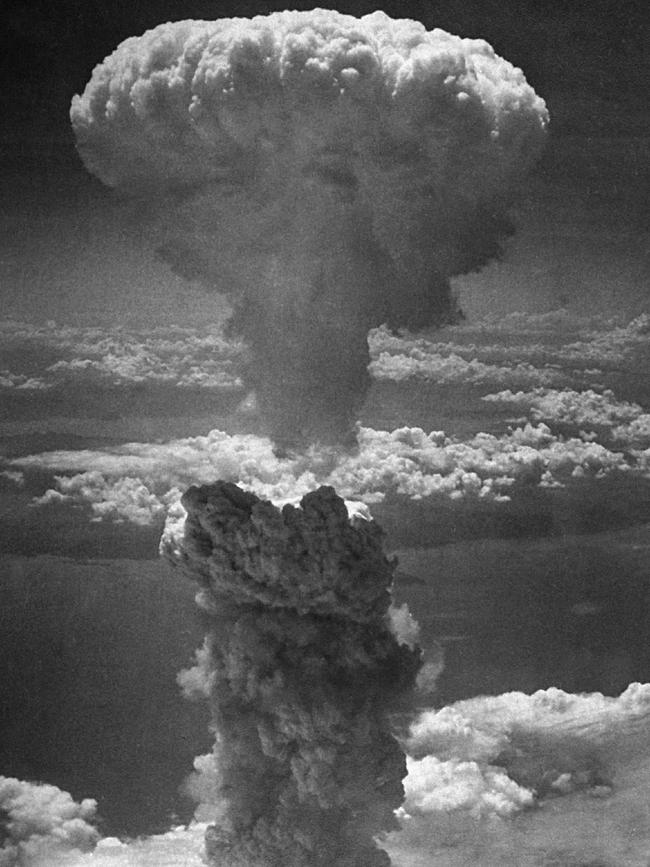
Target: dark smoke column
pixel 301 669
pixel 329 173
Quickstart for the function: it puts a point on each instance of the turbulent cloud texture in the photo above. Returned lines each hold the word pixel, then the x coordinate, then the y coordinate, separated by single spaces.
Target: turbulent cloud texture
pixel 397 358
pixel 140 481
pixel 559 440
pixel 65 356
pixel 515 779
pixel 301 667
pixel 574 764
pixel 554 349
pixel 329 173
pixel 41 825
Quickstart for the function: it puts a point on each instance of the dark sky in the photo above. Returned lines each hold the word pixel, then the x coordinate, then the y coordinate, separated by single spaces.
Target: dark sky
pixel 587 58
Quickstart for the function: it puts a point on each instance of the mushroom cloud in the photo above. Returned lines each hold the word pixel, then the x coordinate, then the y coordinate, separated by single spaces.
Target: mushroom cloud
pixel 329 173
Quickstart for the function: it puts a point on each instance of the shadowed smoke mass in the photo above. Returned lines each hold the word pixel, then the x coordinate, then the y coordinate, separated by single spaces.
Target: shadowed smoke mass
pixel 301 667
pixel 329 173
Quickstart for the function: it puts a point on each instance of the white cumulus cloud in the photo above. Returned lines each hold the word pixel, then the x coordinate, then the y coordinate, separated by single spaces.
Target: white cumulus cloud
pixel 42 824
pixel 139 481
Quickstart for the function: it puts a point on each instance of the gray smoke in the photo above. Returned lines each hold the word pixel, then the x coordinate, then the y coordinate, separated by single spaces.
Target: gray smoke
pixel 302 670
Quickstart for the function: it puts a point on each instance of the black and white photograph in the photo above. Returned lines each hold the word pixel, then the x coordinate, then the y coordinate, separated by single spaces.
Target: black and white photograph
pixel 325 433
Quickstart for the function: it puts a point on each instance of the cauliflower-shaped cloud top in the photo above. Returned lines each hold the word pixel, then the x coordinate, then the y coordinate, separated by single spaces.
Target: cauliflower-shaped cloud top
pixel 197 101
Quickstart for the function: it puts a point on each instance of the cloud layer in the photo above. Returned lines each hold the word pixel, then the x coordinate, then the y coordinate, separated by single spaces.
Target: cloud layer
pixel 140 481
pixel 561 439
pixel 67 357
pixel 519 350
pixel 521 779
pixel 513 779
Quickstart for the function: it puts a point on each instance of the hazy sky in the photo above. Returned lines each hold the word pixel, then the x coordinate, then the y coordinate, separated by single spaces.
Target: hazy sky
pixel 69 252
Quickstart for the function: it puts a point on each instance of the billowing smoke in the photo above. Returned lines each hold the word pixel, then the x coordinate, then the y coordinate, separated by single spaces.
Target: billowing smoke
pixel 304 663
pixel 329 173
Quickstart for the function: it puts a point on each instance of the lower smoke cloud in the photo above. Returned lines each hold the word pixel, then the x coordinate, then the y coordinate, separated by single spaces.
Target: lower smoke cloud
pixel 304 665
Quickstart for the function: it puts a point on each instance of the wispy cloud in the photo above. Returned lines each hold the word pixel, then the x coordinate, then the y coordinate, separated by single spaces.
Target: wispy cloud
pixel 63 356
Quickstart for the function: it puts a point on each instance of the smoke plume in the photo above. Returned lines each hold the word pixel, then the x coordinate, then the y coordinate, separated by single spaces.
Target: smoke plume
pixel 329 173
pixel 302 667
